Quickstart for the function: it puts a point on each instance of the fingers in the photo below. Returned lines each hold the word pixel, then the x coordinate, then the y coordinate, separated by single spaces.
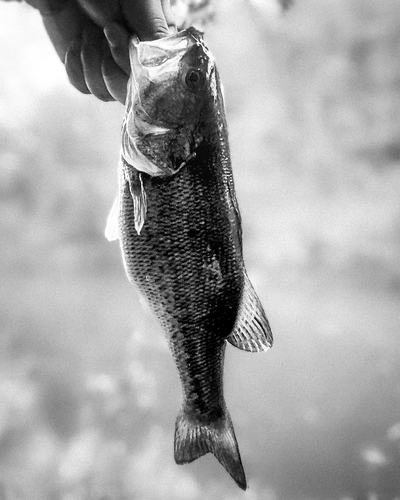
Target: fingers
pixel 169 15
pixel 95 68
pixel 118 40
pixel 149 19
pixel 73 66
pixel 115 79
pixel 101 12
pixel 101 68
pixel 92 54
pixel 146 18
pixel 48 8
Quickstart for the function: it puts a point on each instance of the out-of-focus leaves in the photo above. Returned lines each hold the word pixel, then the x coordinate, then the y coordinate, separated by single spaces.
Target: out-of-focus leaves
pixel 88 391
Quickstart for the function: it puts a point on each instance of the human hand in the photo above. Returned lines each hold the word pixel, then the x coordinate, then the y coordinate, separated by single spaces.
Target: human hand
pixel 101 69
pixel 93 65
pixel 96 67
pixel 148 19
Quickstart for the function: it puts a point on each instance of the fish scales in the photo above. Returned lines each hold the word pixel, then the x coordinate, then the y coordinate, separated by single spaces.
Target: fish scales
pixel 180 234
pixel 173 261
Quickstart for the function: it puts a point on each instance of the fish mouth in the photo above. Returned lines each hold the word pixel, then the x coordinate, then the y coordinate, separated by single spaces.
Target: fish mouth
pixel 151 59
pixel 173 66
pixel 193 32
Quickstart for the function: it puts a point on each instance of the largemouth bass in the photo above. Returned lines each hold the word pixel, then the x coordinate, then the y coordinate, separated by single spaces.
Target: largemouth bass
pixel 179 227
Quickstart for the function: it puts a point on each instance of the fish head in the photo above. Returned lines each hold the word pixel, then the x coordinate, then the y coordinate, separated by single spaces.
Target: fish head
pixel 173 84
pixel 171 97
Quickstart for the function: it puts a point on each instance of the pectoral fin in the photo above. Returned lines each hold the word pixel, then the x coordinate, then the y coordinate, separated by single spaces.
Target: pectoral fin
pixel 252 331
pixel 139 198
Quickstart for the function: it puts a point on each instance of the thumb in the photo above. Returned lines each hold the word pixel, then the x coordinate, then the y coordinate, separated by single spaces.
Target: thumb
pixel 101 12
pixel 47 7
pixel 146 18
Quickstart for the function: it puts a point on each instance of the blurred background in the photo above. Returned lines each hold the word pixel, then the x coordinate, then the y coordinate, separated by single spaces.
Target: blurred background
pixel 88 389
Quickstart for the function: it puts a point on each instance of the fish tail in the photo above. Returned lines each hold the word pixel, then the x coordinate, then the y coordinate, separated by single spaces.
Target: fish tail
pixel 194 439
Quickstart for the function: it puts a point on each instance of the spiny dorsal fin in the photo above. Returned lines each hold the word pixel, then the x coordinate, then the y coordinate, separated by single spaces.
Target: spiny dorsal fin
pixel 252 331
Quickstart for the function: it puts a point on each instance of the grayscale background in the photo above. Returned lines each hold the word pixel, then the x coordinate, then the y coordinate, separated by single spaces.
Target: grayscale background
pixel 88 389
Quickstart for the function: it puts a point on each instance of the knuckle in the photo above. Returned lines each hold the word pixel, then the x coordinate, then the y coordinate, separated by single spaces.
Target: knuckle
pixel 109 67
pixel 161 27
pixel 74 70
pixel 157 29
pixel 162 31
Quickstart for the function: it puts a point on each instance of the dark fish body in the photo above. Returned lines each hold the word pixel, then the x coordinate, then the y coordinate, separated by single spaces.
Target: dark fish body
pixel 187 260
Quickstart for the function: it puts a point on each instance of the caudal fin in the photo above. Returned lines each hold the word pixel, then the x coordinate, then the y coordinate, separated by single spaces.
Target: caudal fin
pixel 194 439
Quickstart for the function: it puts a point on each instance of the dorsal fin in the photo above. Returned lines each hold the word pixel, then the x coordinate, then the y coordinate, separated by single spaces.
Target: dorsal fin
pixel 252 331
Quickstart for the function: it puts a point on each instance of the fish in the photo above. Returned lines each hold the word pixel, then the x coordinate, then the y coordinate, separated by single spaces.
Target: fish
pixel 178 222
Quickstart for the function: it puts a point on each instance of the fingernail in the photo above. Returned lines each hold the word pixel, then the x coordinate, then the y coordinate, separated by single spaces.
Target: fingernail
pixel 172 29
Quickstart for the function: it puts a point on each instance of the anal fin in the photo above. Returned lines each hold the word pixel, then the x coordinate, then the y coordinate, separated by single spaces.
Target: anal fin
pixel 251 331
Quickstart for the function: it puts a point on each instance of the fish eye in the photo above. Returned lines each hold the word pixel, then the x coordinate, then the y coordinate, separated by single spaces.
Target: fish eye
pixel 194 77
